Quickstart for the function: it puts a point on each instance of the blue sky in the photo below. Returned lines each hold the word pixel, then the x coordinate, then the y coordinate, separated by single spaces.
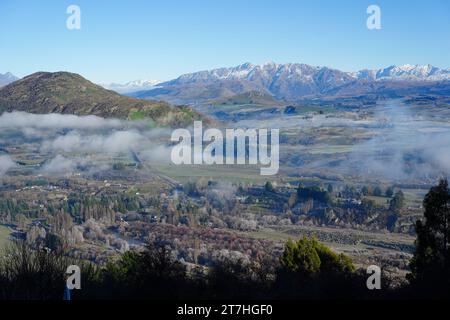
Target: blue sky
pixel 123 40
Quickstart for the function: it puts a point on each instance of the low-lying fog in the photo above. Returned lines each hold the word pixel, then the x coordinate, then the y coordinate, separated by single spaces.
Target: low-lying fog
pixel 73 142
pixel 404 144
pixel 401 145
pixel 409 146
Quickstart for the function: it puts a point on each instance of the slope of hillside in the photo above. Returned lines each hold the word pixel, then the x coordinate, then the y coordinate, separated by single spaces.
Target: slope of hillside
pixel 69 93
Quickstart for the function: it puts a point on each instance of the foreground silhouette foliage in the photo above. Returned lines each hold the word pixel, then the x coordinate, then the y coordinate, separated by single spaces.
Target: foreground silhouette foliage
pixel 155 274
pixel 27 274
pixel 430 265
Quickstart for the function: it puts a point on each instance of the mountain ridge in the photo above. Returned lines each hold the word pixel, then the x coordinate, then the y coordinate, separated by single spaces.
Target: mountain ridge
pixel 408 71
pixel 131 86
pixel 289 81
pixel 7 78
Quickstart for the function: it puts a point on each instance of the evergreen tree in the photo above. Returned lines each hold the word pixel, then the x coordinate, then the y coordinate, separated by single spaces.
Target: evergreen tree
pixel 308 256
pixel 301 256
pixel 377 191
pixel 269 187
pixel 397 201
pixel 389 192
pixel 330 188
pixel 430 265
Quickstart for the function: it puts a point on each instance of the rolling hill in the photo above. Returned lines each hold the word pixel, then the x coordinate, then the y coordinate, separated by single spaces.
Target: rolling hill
pixel 69 93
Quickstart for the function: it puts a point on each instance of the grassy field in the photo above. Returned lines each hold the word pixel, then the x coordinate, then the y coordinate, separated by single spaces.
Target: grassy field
pixel 380 201
pixel 231 173
pixel 414 196
pixel 329 149
pixel 4 236
pixel 361 246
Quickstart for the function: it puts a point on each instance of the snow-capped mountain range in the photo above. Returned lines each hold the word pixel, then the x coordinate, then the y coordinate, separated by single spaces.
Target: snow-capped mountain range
pixel 132 86
pixel 7 78
pixel 292 81
pixel 248 71
pixel 406 72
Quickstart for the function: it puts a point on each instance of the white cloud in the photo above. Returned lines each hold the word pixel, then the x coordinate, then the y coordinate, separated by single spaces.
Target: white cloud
pixel 6 163
pixel 55 121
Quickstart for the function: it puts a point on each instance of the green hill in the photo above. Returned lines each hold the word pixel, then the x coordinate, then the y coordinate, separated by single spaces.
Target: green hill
pixel 69 93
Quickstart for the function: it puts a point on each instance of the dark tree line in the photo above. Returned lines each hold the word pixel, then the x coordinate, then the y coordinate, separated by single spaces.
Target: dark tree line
pixel 307 269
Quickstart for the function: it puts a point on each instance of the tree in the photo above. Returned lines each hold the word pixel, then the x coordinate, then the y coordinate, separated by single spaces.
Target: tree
pixel 365 191
pixel 389 192
pixel 315 193
pixel 368 204
pixel 349 192
pixel 307 206
pixel 430 264
pixel 330 188
pixel 309 269
pixel 21 220
pixel 292 201
pixel 377 191
pixel 307 256
pixel 397 201
pixel 301 256
pixel 332 262
pixel 151 273
pixel 269 187
pixel 53 242
pixel 28 274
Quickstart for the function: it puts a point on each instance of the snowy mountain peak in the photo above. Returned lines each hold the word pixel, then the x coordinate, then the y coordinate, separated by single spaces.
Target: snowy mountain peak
pixel 142 83
pixel 248 71
pixel 291 81
pixel 7 78
pixel 9 75
pixel 413 72
pixel 132 86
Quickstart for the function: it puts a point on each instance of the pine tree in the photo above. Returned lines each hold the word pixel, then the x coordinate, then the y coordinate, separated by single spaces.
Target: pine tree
pixel 430 265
